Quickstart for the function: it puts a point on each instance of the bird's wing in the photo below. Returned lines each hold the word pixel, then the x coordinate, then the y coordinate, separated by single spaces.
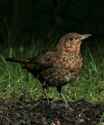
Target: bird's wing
pixel 47 59
pixel 36 64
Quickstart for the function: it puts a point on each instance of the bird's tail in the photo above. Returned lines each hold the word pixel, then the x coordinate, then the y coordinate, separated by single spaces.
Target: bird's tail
pixel 26 64
pixel 17 60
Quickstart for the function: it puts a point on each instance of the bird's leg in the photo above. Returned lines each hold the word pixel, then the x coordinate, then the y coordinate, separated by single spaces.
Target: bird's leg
pixel 44 86
pixel 59 90
pixel 65 100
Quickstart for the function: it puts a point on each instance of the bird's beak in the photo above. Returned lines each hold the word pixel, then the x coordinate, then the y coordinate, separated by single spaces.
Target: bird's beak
pixel 84 36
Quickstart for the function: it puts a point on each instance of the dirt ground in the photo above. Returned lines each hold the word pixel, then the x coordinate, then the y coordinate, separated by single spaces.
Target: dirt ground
pixel 49 113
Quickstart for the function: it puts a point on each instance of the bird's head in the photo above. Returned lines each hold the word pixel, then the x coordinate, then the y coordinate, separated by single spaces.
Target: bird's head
pixel 71 42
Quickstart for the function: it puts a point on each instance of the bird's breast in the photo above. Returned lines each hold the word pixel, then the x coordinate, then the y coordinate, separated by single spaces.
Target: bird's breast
pixel 69 62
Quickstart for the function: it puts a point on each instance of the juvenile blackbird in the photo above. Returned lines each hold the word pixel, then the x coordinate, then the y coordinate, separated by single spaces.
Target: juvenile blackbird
pixel 58 67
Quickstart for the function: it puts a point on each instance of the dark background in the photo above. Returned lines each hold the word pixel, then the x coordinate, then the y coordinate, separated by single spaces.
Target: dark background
pixel 19 17
pixel 69 15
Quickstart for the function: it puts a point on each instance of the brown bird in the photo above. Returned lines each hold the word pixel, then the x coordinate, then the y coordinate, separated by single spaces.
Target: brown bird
pixel 58 67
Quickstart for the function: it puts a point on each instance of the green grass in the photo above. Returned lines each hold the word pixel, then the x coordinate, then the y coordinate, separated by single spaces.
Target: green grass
pixel 16 82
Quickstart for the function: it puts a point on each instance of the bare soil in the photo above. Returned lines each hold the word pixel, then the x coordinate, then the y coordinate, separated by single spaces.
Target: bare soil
pixel 49 113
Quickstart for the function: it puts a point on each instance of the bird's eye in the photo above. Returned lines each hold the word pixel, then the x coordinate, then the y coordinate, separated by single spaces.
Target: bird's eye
pixel 71 39
pixel 76 38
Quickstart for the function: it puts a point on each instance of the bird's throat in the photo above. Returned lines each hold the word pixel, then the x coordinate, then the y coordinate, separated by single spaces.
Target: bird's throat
pixel 74 51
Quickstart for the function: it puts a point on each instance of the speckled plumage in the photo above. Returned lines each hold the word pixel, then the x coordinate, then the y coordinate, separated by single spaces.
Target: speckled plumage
pixel 58 67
